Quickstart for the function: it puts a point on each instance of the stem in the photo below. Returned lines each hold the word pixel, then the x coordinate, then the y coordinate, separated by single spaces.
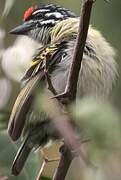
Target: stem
pixel 79 47
pixel 41 170
pixel 66 156
pixel 61 172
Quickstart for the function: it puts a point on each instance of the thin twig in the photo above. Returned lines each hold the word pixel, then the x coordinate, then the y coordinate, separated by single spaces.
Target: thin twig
pixel 39 177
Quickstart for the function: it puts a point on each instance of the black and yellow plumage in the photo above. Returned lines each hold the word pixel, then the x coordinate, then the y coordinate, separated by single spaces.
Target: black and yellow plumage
pixel 96 77
pixel 41 60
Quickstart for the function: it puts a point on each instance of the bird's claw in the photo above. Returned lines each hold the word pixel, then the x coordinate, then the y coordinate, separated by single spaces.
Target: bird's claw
pixel 61 96
pixel 64 97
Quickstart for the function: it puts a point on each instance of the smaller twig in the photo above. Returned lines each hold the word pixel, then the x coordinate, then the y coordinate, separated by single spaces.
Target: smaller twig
pixel 49 83
pixel 41 170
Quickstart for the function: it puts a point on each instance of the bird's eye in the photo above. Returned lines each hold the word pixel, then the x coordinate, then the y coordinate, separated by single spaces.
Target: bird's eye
pixel 38 16
pixel 37 24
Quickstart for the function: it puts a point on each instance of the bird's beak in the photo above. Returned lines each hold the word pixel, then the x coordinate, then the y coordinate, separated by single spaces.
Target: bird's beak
pixel 22 29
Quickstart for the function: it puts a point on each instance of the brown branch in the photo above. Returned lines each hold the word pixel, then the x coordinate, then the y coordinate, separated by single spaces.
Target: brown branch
pixel 64 162
pixel 72 145
pixel 71 87
pixel 65 129
pixel 72 142
pixel 79 48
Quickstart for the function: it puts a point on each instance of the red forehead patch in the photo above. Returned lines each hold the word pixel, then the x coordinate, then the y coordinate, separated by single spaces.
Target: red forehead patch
pixel 28 13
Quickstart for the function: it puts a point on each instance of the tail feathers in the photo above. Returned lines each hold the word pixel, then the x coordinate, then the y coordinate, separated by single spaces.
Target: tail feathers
pixel 21 157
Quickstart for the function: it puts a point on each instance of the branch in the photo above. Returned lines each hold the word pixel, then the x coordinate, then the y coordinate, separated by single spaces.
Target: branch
pixel 64 164
pixel 72 145
pixel 71 87
pixel 64 127
pixel 79 48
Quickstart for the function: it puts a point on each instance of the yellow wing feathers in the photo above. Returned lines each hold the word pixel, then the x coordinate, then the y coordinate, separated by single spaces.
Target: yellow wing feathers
pixel 44 55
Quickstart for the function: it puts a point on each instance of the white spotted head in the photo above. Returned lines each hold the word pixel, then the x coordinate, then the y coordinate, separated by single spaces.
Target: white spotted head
pixel 39 18
pixel 47 15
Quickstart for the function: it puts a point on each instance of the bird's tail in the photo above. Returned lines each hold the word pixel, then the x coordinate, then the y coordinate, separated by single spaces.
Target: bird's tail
pixel 21 156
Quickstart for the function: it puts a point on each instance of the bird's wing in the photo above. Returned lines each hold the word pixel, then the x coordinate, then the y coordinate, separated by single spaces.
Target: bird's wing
pixel 25 98
pixel 42 58
pixel 22 106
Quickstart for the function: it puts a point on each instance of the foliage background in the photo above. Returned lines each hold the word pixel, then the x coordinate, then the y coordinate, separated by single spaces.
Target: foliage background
pixel 105 16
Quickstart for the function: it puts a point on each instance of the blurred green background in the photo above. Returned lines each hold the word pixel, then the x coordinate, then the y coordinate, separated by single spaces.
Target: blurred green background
pixel 106 17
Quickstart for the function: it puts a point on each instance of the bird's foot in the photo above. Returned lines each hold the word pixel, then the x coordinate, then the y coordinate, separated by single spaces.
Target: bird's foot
pixel 49 82
pixel 62 95
pixel 65 97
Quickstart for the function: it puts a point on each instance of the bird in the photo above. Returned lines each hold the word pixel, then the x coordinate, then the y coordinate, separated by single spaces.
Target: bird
pixel 56 29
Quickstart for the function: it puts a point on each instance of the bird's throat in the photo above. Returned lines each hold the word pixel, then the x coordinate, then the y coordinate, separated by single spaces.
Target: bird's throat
pixel 41 35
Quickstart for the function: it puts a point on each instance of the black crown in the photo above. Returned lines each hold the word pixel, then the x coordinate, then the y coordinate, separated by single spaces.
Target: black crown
pixel 50 14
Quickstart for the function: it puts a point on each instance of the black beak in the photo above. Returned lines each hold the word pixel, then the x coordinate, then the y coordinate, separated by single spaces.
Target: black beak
pixel 22 29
